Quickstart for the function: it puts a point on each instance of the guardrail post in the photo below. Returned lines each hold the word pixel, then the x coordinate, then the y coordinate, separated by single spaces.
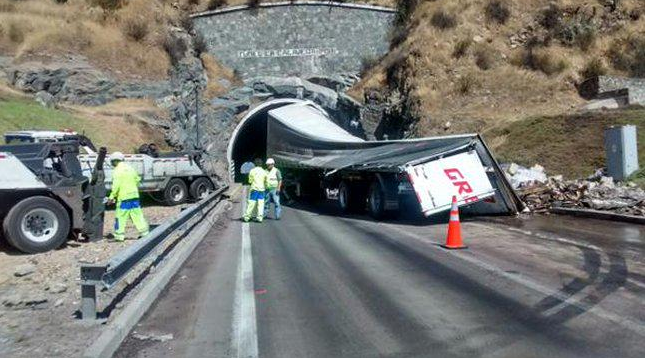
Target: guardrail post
pixel 88 302
pixel 91 276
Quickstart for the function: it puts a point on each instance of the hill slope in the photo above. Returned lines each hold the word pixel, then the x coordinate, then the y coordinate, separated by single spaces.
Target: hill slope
pixel 479 63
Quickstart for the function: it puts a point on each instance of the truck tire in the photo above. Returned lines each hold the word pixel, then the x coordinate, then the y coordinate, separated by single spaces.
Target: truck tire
pixel 350 199
pixel 176 192
pixel 36 224
pixel 200 188
pixel 376 201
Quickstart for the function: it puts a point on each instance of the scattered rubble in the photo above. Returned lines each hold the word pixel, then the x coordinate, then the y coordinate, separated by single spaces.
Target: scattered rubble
pixel 24 270
pixel 41 306
pixel 541 193
pixel 153 337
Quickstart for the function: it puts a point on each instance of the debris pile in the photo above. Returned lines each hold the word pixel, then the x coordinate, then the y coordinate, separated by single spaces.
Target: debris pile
pixel 598 192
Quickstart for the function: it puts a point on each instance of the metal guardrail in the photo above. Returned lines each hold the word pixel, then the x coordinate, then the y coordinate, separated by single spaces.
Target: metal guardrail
pixel 109 274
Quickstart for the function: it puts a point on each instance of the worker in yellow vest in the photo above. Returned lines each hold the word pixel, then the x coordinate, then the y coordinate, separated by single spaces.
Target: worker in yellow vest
pixel 125 193
pixel 274 186
pixel 257 186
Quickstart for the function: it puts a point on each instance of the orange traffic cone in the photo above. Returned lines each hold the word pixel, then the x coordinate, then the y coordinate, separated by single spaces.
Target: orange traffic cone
pixel 454 241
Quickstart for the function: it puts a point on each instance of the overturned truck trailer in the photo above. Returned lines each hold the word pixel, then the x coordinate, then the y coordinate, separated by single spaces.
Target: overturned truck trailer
pixel 320 159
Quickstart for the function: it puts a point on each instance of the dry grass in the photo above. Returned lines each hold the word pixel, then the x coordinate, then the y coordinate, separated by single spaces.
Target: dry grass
pixel 571 145
pixel 437 63
pixel 125 40
pixel 215 70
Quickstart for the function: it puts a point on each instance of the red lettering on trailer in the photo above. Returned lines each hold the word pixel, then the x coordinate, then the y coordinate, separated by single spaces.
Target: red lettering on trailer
pixel 451 171
pixel 463 187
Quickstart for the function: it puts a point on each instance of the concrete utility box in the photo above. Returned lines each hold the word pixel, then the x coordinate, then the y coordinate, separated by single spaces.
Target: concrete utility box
pixel 622 151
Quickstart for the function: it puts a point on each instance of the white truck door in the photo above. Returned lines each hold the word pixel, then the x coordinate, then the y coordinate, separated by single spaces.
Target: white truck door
pixel 462 175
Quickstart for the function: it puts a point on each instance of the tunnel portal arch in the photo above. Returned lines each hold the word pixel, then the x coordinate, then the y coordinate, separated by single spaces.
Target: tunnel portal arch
pixel 249 139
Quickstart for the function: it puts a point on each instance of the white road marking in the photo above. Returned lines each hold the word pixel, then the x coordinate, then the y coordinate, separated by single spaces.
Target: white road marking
pixel 636 327
pixel 245 333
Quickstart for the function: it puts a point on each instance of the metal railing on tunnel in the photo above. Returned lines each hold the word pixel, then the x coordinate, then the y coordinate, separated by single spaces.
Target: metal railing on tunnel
pixel 108 274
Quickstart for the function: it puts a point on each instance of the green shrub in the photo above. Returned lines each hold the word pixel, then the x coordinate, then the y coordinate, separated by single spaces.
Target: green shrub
pixel 628 54
pixel 461 48
pixel 498 11
pixel 216 4
pixel 174 47
pixel 550 17
pixel 443 20
pixel 594 68
pixel 135 28
pixel 107 4
pixel 484 57
pixel 15 33
pixel 404 11
pixel 367 63
pixel 466 84
pixel 543 61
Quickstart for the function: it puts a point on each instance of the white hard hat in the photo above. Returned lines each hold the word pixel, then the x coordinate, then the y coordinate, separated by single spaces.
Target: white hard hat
pixel 270 161
pixel 117 156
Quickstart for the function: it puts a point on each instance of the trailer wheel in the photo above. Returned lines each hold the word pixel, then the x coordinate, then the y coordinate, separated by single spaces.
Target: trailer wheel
pixel 176 192
pixel 36 224
pixel 350 198
pixel 376 201
pixel 200 188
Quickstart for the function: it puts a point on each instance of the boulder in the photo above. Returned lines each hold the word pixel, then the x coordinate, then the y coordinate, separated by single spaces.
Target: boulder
pixel 24 270
pixel 45 99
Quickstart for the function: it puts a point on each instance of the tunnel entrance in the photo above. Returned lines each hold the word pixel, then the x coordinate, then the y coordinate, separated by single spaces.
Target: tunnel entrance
pixel 249 139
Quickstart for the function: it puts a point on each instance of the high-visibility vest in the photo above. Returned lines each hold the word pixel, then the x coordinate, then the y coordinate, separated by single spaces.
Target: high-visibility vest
pixel 125 183
pixel 272 178
pixel 257 179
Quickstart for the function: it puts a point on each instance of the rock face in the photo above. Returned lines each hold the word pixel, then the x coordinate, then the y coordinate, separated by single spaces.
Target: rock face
pixel 220 115
pixel 78 83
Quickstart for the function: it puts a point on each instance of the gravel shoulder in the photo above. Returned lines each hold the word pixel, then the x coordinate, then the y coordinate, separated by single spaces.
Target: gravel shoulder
pixel 40 294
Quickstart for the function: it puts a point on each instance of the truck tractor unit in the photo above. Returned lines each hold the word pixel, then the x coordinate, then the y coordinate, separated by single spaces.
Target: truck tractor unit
pixel 45 198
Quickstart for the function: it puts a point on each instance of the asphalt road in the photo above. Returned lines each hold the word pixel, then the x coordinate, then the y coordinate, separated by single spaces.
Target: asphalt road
pixel 318 285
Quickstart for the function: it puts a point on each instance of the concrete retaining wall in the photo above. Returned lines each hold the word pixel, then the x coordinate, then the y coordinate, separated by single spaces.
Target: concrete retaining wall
pixel 296 39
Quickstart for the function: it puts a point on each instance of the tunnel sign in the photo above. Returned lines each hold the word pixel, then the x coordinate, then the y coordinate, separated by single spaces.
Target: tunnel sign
pixel 462 175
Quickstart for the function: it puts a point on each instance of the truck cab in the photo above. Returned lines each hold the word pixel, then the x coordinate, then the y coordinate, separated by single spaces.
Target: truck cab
pixel 45 198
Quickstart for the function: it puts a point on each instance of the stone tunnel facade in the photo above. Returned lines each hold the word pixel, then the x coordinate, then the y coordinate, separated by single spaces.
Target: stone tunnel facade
pixel 296 38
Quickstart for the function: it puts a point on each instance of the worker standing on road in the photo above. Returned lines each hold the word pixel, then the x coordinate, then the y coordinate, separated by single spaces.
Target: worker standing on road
pixel 125 193
pixel 257 183
pixel 274 186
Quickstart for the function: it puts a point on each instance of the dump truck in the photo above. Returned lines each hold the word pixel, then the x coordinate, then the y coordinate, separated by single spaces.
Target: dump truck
pixel 172 177
pixel 45 198
pixel 322 160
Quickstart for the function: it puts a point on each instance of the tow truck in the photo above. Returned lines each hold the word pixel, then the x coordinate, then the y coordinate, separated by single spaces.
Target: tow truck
pixel 45 198
pixel 173 177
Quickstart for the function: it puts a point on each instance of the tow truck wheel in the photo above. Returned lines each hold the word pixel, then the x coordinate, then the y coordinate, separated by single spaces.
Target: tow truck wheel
pixel 200 188
pixel 36 224
pixel 176 192
pixel 376 201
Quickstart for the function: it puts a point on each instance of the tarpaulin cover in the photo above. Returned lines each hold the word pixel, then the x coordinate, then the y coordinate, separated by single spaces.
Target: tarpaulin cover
pixel 300 135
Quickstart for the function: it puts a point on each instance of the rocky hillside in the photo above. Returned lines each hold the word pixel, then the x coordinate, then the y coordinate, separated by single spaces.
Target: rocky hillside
pixel 473 65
